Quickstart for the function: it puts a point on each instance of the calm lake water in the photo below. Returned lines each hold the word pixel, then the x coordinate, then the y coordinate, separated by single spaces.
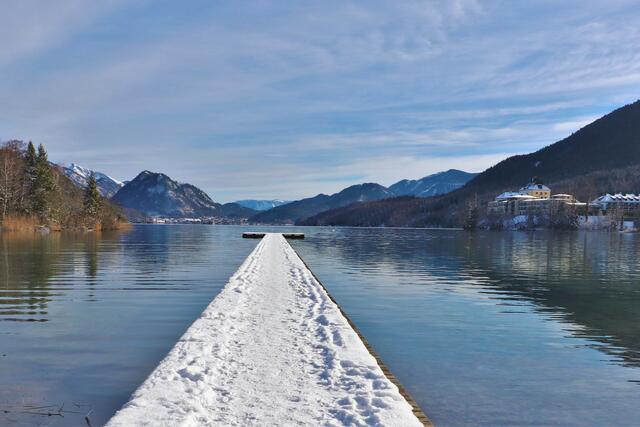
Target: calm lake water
pixel 482 328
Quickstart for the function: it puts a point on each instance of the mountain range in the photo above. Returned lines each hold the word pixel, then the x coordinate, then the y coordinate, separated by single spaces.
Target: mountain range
pixel 156 194
pixel 429 186
pixel 292 212
pixel 602 157
pixel 107 186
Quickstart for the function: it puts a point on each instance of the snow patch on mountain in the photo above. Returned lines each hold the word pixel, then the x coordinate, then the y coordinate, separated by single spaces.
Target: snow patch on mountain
pixel 432 185
pixel 107 185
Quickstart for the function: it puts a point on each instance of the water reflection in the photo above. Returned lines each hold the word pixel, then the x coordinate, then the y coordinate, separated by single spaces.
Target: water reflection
pixel 85 317
pixel 589 280
pixel 496 328
pixel 28 264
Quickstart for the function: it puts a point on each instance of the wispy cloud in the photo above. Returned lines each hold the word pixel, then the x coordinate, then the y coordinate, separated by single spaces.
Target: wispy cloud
pixel 30 26
pixel 287 99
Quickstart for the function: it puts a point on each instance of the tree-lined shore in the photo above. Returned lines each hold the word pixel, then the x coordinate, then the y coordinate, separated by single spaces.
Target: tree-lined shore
pixel 35 194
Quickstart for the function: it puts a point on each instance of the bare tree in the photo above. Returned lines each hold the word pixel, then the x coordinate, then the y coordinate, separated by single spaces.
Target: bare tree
pixel 11 176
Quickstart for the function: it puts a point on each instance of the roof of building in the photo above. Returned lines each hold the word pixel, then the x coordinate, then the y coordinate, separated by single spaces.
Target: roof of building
pixel 618 197
pixel 513 195
pixel 534 187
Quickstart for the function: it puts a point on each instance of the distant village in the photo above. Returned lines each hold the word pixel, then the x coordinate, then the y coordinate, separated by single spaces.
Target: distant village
pixel 204 220
pixel 534 206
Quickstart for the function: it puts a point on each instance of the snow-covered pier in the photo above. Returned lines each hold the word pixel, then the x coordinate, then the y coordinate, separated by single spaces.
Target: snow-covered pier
pixel 272 348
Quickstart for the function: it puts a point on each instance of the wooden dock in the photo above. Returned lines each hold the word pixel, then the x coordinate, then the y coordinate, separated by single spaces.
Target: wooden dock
pixel 260 235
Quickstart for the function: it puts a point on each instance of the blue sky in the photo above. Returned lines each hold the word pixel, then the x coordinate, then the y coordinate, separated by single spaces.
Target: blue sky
pixel 288 99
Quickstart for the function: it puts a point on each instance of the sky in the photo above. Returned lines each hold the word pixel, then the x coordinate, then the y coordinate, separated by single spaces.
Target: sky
pixel 288 99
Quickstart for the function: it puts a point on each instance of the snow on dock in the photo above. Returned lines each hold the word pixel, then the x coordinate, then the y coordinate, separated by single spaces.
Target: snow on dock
pixel 271 349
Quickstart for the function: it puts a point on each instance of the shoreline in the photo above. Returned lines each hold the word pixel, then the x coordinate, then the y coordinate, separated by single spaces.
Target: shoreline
pixel 509 230
pixel 29 225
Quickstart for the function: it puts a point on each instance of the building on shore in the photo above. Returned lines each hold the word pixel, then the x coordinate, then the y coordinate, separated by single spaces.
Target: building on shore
pixel 533 199
pixel 626 204
pixel 539 191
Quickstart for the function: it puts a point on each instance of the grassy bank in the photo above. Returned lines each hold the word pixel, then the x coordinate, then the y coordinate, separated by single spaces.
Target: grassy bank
pixel 31 225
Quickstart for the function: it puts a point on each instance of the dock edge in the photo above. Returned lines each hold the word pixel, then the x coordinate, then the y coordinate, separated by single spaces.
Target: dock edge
pixel 415 408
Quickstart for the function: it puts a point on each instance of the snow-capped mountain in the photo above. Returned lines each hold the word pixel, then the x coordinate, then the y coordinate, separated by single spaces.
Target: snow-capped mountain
pixel 261 205
pixel 107 186
pixel 432 185
pixel 300 209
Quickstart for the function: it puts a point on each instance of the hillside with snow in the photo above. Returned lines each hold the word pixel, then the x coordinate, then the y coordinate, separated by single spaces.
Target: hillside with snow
pixel 432 185
pixel 429 186
pixel 107 185
pixel 300 209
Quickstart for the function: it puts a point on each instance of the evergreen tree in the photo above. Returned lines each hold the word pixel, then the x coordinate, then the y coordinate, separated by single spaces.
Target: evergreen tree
pixel 42 185
pixel 30 160
pixel 91 199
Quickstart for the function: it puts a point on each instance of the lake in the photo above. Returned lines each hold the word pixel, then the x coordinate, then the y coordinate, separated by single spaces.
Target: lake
pixel 487 328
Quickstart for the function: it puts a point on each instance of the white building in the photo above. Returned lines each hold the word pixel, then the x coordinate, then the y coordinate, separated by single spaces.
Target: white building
pixel 628 203
pixel 534 199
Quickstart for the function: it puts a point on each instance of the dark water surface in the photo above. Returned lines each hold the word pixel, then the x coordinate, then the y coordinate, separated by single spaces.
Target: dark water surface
pixel 483 329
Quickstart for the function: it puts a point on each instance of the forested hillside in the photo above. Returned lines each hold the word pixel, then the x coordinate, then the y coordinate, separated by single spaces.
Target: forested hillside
pixel 602 157
pixel 34 192
pixel 609 143
pixel 236 210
